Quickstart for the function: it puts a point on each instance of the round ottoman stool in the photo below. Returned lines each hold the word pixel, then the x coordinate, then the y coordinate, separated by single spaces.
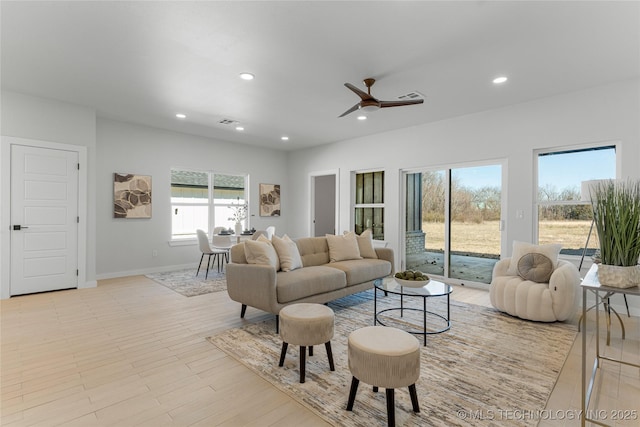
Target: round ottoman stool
pixel 306 325
pixel 384 357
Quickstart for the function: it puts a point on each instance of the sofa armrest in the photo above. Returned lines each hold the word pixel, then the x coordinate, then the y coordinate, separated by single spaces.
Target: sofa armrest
pixel 253 284
pixel 563 286
pixel 387 255
pixel 501 267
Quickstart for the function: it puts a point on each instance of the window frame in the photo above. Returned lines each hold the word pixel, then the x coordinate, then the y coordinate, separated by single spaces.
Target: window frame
pixel 537 204
pixel 211 203
pixel 354 198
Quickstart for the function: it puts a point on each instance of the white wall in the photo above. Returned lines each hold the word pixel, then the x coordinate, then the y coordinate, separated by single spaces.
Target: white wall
pixel 605 113
pixel 125 246
pixel 30 117
pixel 119 247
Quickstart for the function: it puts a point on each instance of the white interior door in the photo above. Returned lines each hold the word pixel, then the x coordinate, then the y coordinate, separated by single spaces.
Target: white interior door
pixel 44 219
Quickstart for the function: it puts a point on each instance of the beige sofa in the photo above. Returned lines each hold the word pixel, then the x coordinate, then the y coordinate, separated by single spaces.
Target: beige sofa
pixel 318 281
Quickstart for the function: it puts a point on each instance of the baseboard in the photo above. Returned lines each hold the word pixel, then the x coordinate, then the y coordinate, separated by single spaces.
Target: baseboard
pixel 88 284
pixel 144 271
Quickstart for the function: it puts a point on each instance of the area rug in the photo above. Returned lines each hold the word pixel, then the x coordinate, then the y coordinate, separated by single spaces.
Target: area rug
pixel 488 369
pixel 186 283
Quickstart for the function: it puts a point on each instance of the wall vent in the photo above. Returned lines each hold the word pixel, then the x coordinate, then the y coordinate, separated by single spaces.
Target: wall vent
pixel 411 95
pixel 226 122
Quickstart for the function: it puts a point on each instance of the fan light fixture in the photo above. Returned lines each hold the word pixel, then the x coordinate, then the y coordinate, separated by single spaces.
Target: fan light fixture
pixel 368 103
pixel 369 108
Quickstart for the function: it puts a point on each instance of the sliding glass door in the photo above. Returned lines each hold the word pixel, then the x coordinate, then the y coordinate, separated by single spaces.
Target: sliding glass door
pixel 453 226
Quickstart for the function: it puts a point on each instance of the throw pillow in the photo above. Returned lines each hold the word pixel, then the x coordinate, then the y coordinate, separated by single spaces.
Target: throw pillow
pixel 520 249
pixel 342 248
pixel 365 244
pixel 287 252
pixel 535 267
pixel 262 252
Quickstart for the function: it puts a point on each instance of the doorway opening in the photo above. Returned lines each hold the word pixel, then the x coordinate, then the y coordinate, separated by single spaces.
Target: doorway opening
pixel 453 221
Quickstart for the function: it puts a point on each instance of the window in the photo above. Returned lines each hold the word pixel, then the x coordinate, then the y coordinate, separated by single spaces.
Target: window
pixel 563 215
pixel 453 221
pixel 194 206
pixel 369 203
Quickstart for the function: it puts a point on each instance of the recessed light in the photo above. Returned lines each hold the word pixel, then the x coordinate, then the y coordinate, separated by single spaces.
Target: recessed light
pixel 247 76
pixel 239 128
pixel 284 138
pixel 181 116
pixel 499 80
pixel 362 117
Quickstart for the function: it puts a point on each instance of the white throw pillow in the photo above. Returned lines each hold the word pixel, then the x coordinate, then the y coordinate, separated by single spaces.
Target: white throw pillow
pixel 365 244
pixel 287 252
pixel 342 248
pixel 262 252
pixel 520 249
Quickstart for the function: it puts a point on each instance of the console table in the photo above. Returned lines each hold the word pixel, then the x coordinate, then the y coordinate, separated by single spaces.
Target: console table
pixel 591 283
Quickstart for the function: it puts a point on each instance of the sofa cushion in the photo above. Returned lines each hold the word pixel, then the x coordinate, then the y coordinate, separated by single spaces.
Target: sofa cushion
pixel 365 244
pixel 363 270
pixel 520 249
pixel 287 253
pixel 522 298
pixel 343 247
pixel 308 281
pixel 261 252
pixel 313 250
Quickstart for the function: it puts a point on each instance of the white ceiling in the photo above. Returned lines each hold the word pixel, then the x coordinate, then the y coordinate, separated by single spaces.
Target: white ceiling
pixel 145 61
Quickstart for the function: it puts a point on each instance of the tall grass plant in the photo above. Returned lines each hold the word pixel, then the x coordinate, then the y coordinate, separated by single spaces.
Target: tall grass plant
pixel 616 212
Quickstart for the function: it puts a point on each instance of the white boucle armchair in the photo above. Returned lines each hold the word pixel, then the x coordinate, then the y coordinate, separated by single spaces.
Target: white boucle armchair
pixel 542 302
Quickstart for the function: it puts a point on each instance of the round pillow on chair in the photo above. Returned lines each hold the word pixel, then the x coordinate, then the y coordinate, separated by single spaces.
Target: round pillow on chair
pixel 535 267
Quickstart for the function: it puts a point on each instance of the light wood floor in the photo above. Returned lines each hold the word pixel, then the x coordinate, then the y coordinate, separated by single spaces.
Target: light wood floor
pixel 133 353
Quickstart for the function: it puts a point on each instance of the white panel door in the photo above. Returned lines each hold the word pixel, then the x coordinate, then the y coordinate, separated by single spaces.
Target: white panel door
pixel 44 224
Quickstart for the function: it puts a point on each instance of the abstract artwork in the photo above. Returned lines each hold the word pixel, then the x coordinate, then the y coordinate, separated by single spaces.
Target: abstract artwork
pixel 131 196
pixel 269 199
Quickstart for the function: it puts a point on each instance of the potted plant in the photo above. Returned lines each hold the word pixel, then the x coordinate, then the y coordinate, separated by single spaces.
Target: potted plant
pixel 238 214
pixel 616 214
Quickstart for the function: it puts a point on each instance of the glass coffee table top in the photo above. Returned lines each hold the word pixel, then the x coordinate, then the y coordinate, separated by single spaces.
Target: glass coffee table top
pixel 431 288
pixel 415 319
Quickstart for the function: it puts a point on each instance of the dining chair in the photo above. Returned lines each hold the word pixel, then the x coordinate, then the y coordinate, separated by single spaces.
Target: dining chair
pixel 259 233
pixel 206 249
pixel 222 243
pixel 217 230
pixel 271 230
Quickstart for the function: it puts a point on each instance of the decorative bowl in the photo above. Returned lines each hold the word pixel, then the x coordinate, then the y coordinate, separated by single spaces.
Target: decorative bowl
pixel 411 283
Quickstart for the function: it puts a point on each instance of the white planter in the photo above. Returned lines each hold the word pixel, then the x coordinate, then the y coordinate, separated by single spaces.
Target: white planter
pixel 238 228
pixel 619 277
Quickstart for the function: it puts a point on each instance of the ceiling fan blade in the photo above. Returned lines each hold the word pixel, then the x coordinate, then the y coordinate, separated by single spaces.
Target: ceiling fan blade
pixel 384 104
pixel 350 110
pixel 362 94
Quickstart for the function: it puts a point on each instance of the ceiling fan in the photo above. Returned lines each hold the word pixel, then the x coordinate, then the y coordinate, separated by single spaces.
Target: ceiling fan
pixel 369 103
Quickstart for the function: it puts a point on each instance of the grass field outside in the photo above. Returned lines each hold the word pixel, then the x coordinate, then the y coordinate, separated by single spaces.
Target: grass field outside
pixel 484 238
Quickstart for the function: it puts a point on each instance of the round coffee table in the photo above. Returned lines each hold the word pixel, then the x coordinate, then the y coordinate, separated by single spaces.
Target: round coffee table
pixel 432 289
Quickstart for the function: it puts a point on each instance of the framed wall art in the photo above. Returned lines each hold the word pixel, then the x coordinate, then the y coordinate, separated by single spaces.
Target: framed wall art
pixel 269 199
pixel 131 196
